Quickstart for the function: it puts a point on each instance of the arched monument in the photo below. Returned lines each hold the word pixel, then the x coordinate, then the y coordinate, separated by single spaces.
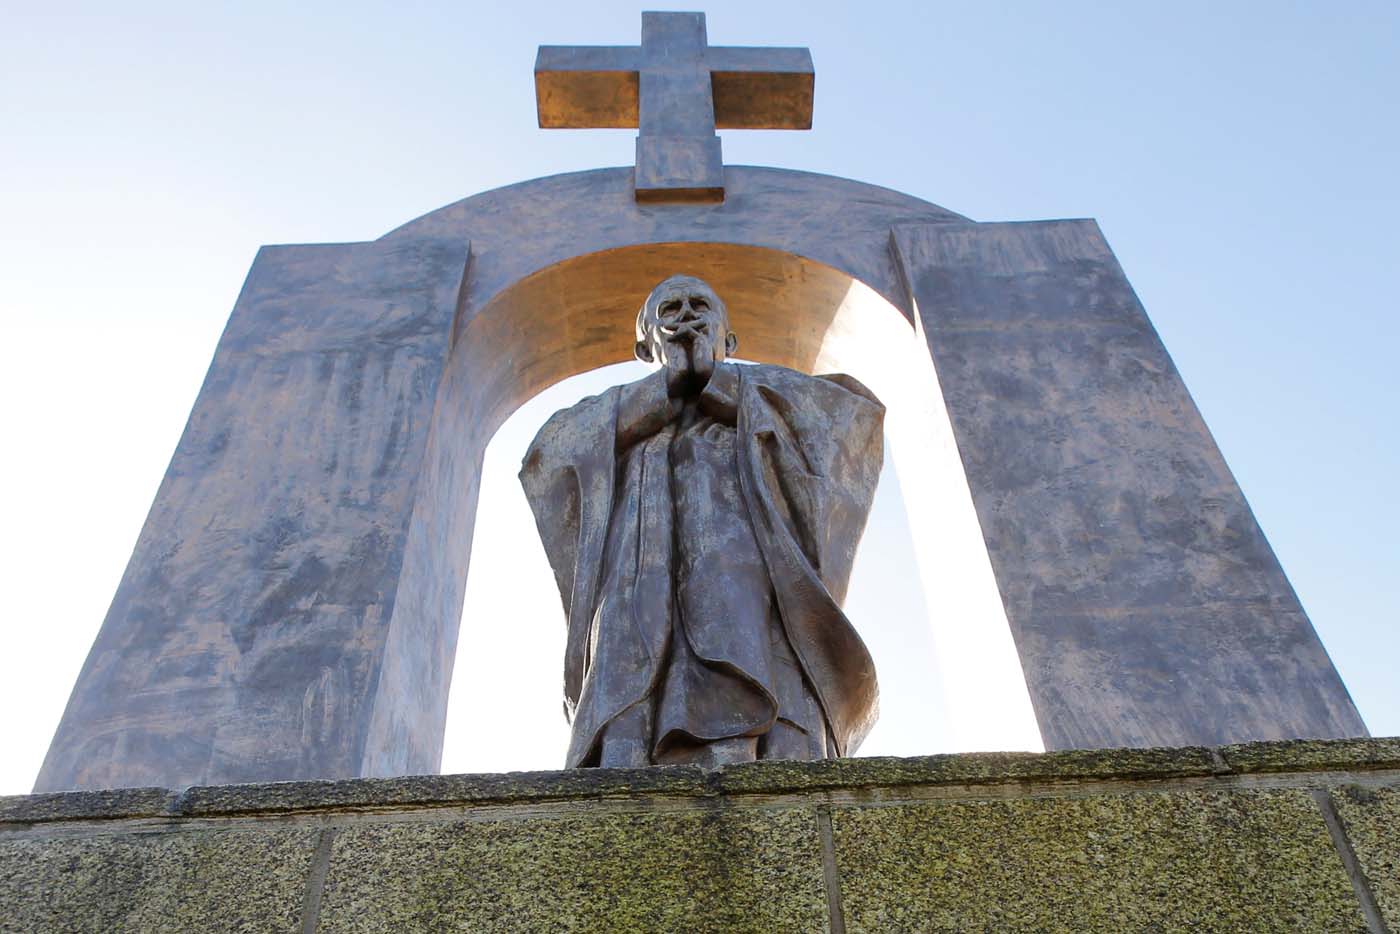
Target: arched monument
pixel 291 607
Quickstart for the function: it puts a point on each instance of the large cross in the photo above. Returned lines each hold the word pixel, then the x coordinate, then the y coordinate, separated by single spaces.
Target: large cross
pixel 676 89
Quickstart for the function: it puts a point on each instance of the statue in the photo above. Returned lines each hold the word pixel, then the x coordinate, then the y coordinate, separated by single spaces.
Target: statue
pixel 701 523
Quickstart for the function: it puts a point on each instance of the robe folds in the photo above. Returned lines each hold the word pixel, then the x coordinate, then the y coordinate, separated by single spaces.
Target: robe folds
pixel 778 544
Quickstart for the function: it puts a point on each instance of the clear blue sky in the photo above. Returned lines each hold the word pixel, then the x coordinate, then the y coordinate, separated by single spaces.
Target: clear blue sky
pixel 1240 157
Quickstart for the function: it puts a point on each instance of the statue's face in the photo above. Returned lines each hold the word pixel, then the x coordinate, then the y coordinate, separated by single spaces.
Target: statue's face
pixel 684 316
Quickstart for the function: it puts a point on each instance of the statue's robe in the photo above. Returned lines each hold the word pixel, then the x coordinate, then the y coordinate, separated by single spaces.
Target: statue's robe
pixel 702 563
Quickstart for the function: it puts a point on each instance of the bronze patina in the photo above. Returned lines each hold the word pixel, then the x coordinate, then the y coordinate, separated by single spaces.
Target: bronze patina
pixel 701 523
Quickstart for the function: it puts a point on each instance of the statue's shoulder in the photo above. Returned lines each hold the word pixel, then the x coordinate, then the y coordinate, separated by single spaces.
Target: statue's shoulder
pixel 565 425
pixel 781 376
pixel 588 405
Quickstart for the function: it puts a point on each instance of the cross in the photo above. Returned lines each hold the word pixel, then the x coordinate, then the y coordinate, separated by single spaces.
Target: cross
pixel 676 89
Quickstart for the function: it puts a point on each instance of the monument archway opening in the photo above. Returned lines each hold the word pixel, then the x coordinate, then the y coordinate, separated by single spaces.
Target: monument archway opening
pixel 922 595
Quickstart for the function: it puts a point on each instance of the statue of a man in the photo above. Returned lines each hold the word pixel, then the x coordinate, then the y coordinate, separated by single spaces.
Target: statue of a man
pixel 701 523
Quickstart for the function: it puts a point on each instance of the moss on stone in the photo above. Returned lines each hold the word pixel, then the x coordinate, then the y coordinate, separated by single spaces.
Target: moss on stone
pixel 441 790
pixel 965 768
pixel 1241 861
pixel 1141 839
pixel 1314 755
pixel 1371 817
pixel 710 869
pixel 85 805
pixel 206 880
pixel 760 778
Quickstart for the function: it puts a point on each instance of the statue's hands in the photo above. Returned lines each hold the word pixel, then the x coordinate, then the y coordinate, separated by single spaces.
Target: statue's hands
pixel 678 371
pixel 689 366
pixel 702 364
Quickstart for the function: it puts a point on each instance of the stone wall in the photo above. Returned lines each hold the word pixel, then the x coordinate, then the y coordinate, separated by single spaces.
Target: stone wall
pixel 1295 836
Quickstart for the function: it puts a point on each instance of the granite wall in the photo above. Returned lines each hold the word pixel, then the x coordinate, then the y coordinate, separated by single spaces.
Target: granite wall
pixel 1260 837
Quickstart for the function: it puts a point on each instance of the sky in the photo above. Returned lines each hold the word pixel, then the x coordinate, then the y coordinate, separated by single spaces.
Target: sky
pixel 1239 157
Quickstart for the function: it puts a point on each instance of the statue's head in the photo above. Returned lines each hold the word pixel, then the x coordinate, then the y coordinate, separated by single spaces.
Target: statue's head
pixel 683 310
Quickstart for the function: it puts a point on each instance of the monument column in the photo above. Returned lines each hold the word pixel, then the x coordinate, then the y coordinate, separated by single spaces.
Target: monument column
pixel 1147 607
pixel 247 638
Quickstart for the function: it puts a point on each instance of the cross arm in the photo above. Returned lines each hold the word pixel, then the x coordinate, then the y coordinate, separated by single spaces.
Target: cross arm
pixel 761 89
pixel 580 87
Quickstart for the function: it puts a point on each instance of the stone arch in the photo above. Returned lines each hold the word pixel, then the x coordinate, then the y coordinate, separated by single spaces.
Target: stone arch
pixel 580 242
pixel 520 229
pixel 576 315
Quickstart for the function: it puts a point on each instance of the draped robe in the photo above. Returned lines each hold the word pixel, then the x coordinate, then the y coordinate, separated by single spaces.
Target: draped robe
pixel 702 565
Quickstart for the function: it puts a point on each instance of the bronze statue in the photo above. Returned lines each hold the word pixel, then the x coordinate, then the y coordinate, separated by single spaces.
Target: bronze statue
pixel 701 523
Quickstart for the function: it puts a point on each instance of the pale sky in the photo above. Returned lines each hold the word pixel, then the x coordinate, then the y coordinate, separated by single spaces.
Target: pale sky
pixel 1240 158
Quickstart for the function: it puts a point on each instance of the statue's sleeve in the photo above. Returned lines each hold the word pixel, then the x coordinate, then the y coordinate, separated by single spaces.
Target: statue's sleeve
pixel 812 452
pixel 567 474
pixel 822 440
pixel 853 454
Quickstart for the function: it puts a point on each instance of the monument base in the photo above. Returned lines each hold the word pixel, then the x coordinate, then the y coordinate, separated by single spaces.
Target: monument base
pixel 1264 836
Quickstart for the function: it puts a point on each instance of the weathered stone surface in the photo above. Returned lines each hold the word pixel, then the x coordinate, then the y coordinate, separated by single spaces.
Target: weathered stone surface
pixel 1147 607
pixel 1382 752
pixel 246 638
pixel 439 790
pixel 1248 861
pixel 758 778
pixel 966 768
pixel 86 805
pixel 774 777
pixel 1371 818
pixel 205 880
pixel 696 870
pixel 1154 839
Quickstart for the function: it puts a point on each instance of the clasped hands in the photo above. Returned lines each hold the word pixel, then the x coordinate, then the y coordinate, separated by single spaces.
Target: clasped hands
pixel 689 363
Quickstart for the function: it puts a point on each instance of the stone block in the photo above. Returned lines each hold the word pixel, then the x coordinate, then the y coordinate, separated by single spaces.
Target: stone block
pixel 1157 861
pixel 85 805
pixel 213 880
pixel 1371 817
pixel 694 870
pixel 1381 752
pixel 778 775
